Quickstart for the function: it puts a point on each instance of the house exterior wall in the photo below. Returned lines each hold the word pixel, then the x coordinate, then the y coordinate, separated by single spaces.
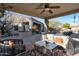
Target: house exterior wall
pixel 16 20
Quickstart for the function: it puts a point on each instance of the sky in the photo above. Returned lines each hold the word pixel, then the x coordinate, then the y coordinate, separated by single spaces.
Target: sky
pixel 68 19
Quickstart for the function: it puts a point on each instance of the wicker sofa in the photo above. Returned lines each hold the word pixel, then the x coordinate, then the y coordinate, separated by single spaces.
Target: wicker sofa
pixel 59 40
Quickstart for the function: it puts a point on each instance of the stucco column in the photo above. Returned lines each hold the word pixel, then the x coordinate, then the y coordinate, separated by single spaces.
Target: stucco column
pixel 47 23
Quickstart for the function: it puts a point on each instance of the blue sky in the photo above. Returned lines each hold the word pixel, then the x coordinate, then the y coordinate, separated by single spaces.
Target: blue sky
pixel 68 19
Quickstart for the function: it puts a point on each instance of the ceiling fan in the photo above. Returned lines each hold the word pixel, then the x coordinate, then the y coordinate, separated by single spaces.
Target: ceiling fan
pixel 47 7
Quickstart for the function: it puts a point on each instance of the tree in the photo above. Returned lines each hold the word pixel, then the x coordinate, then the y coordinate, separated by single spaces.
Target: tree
pixel 66 25
pixel 5 24
pixel 54 24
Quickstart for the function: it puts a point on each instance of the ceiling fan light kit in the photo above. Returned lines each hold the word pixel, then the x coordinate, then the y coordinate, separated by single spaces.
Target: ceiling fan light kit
pixel 47 8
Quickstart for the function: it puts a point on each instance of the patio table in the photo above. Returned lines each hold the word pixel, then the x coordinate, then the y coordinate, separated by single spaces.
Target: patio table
pixel 50 46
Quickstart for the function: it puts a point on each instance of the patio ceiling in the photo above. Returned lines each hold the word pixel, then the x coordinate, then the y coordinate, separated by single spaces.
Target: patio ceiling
pixel 30 9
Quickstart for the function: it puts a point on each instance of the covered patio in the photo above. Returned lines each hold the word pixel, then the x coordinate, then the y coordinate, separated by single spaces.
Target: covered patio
pixel 42 10
pixel 45 11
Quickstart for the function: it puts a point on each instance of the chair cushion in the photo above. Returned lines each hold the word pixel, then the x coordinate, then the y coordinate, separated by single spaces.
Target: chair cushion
pixel 58 40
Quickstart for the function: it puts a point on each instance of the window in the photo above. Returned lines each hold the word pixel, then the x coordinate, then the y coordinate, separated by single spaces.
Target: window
pixel 16 27
pixel 36 29
pixel 26 26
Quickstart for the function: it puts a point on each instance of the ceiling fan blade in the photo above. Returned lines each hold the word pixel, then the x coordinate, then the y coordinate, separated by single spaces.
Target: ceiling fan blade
pixel 54 7
pixel 50 11
pixel 42 11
